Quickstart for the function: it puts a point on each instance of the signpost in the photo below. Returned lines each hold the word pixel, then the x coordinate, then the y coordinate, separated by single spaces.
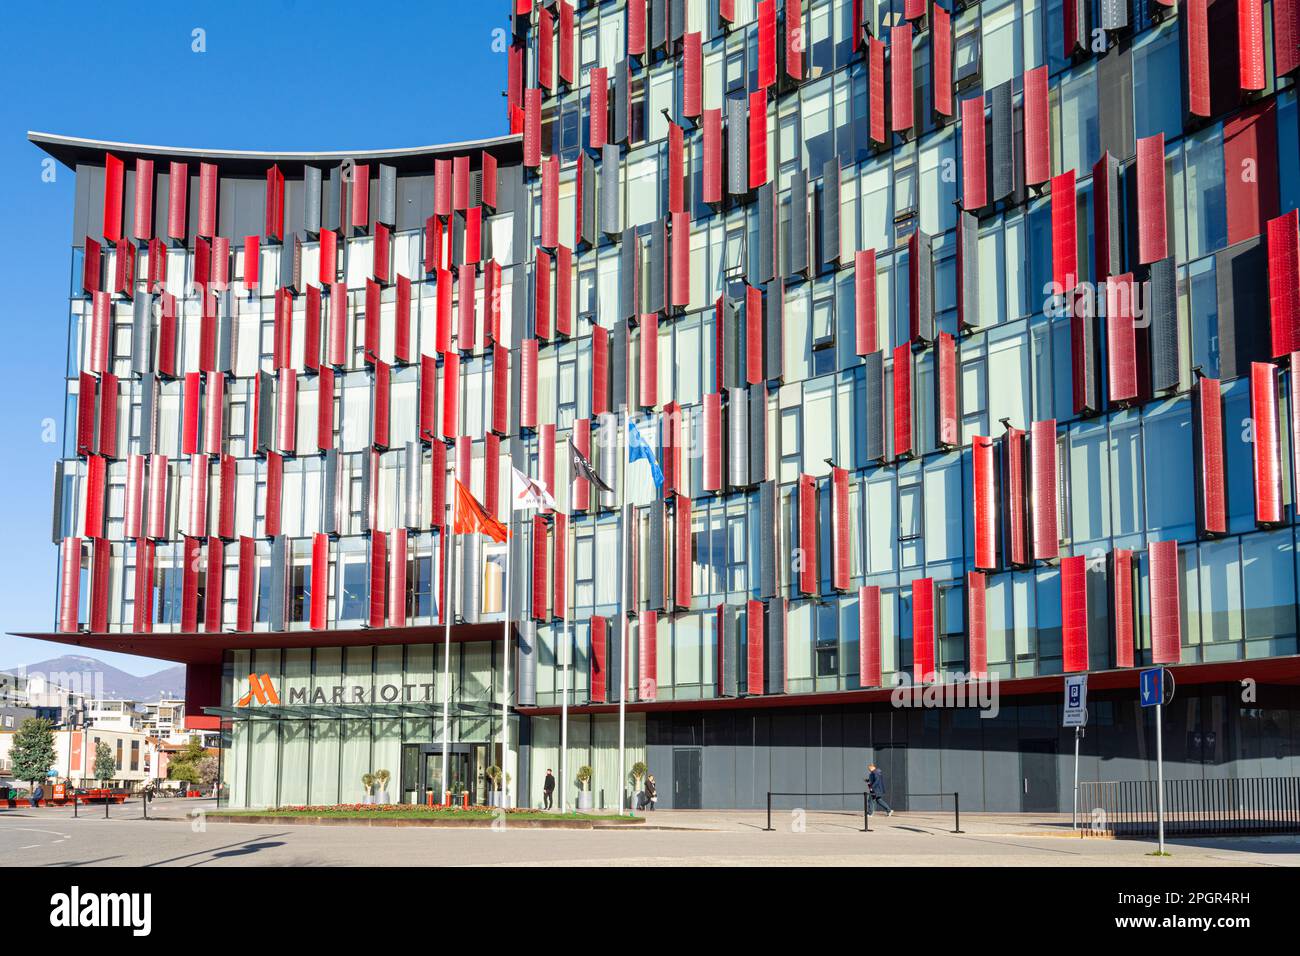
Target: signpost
pixel 1076 716
pixel 1151 693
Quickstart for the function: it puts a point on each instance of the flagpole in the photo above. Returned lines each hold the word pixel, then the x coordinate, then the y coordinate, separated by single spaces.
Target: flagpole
pixel 505 667
pixel 564 679
pixel 622 626
pixel 450 566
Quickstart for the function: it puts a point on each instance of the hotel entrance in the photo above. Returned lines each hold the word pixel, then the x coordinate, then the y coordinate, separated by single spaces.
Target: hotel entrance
pixel 467 770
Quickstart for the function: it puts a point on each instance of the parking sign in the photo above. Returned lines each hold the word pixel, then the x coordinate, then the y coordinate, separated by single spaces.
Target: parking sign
pixel 1076 701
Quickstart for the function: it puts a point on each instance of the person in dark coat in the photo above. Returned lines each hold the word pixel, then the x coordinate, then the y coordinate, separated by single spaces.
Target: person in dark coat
pixel 548 789
pixel 876 790
pixel 651 792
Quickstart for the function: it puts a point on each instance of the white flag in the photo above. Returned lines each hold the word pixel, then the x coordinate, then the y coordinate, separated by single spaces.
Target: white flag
pixel 527 493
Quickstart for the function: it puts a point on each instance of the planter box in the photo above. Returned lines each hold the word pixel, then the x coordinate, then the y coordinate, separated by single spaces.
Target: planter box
pixel 584 799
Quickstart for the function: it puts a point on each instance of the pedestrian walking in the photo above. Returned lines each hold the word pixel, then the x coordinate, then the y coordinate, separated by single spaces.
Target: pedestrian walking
pixel 548 789
pixel 876 790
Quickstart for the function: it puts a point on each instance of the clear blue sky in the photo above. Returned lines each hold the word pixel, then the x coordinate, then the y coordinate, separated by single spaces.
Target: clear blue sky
pixel 276 74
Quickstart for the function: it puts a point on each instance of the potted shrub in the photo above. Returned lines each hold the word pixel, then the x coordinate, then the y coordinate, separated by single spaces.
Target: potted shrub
pixel 639 771
pixel 368 781
pixel 584 795
pixel 495 798
pixel 381 779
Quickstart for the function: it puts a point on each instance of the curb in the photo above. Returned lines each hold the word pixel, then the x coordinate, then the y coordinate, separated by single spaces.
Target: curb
pixel 482 824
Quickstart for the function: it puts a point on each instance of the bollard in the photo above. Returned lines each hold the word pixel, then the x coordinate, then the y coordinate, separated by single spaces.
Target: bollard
pixel 75 801
pixel 866 812
pixel 956 813
pixel 106 803
pixel 768 828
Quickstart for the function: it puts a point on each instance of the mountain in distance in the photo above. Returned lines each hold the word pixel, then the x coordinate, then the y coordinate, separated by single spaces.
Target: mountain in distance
pixel 116 684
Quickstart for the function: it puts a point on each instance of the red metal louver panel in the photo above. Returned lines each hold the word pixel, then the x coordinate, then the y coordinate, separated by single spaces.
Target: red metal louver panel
pixel 167 335
pixel 1267 443
pixel 85 413
pixel 560 576
pixel 378 579
pixel 900 76
pixel 311 330
pixel 360 196
pixel 69 585
pixel 1208 407
pixel 983 461
pixel 451 395
pixel 274 228
pixel 546 460
pixel 711 191
pixel 1065 238
pixel 92 264
pixel 500 389
pixel 692 75
pixel 539 569
pixel 683 565
pixel 636 27
pixel 1250 170
pixel 396 597
pixel 1120 338
pixel 676 169
pixel 977 660
pixel 766 19
pixel 274 489
pixel 380 405
pixel 946 370
pixel 320 569
pixel 124 271
pixel 1122 605
pixel 1284 283
pixel 466 313
pixel 252 259
pixel 876 89
pixel 794 39
pixel 428 398
pixel 443 290
pixel 488 180
pixel 808 515
pixel 191 412
pixel 1042 463
pixel 207 200
pixel 1101 209
pixel 178 180
pixel 101 328
pixel 598 107
pixel 528 383
pixel 338 331
pixel 492 301
pixel 442 178
pixel 757 138
pixel 459 183
pixel 680 296
pixel 1152 243
pixel 727 12
pixel 753 335
pixel 913 9
pixel 379 253
pixel 214 586
pixel 192 554
pixel 649 377
pixel 227 475
pixel 754 634
pixel 941 60
pixel 492 474
pixel 133 510
pixel 1166 615
pixel 551 201
pixel 325 410
pixel 157 275
pixel 473 251
pixel 438 481
pixel 1286 36
pixel 566 42
pixel 542 295
pixel 712 428
pixel 286 424
pixel 864 302
pixel 1250 44
pixel 564 290
pixel 1038 151
pixel 214 398
pixel 648 654
pixel 923 662
pixel 599 636
pixel 142 218
pixel 245 603
pixel 841 565
pixel 1293 366
pixel 114 175
pixel 532 127
pixel 599 370
pixel 869 666
pixel 673 447
pixel 329 269
pixel 1197 26
pixel 282 339
pixel 1074 613
pixel 373 321
pixel 974 188
pixel 142 619
pixel 903 401
pixel 157 523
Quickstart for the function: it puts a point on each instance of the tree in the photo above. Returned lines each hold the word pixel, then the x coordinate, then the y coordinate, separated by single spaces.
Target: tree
pixel 32 753
pixel 105 765
pixel 191 765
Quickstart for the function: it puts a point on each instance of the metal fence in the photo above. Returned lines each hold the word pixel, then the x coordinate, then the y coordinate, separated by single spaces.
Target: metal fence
pixel 1201 807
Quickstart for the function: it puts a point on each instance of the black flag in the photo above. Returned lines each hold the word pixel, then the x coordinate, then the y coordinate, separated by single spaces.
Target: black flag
pixel 582 468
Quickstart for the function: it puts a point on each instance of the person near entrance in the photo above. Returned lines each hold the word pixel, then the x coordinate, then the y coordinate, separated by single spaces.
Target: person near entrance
pixel 548 789
pixel 876 790
pixel 651 792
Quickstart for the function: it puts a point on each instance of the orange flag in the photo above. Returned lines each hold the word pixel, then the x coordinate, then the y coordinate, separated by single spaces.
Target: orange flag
pixel 472 516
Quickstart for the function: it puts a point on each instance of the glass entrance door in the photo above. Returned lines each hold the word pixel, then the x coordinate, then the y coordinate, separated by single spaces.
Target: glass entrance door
pixel 459 775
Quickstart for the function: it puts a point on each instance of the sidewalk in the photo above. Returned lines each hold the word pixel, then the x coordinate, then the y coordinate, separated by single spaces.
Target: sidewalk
pixel 930 821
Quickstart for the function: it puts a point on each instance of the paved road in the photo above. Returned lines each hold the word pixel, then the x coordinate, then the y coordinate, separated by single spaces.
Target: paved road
pixel 53 838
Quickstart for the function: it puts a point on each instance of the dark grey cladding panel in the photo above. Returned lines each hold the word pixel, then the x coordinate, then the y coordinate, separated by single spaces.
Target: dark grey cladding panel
pixel 142 309
pixel 774 331
pixel 737 423
pixel 587 227
pixel 774 644
pixel 520 584
pixel 865 12
pixel 656 24
pixel 1162 314
pixel 368 479
pixel 728 623
pixel 414 460
pixel 764 266
pixel 266 413
pixel 387 212
pixel 329 498
pixel 830 214
pixel 628 261
pixel 633 516
pixel 654 556
pixel 873 385
pixel 148 412
pixel 654 297
pixel 618 365
pixel 56 527
pixel 797 243
pixel 731 363
pixel 519 301
pixel 611 223
pixel 277 582
pixel 311 200
pixel 757 433
pixel 1083 331
pixel 415 202
pixel 457 224
pixel 676 19
pixel 1000 133
pixel 622 85
pixel 1114 217
pixel 291 263
pixel 88 208
pixel 1114 14
pixel 526 662
pixel 925 286
pixel 766 531
pixel 227 333
pixel 1242 274
pixel 737 145
pixel 470 598
pixel 333 200
pixel 241 205
pixel 1115 98
pixel 1083 21
pixel 968 238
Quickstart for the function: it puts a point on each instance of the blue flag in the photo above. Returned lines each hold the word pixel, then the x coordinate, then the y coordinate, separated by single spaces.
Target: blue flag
pixel 638 447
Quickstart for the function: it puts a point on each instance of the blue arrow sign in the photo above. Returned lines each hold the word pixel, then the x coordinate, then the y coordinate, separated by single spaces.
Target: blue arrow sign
pixel 1151 687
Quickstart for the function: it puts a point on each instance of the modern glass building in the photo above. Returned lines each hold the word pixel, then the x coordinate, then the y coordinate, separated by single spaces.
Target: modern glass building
pixel 967 336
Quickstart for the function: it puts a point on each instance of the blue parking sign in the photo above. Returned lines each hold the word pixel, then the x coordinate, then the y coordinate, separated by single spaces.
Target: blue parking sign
pixel 1151 687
